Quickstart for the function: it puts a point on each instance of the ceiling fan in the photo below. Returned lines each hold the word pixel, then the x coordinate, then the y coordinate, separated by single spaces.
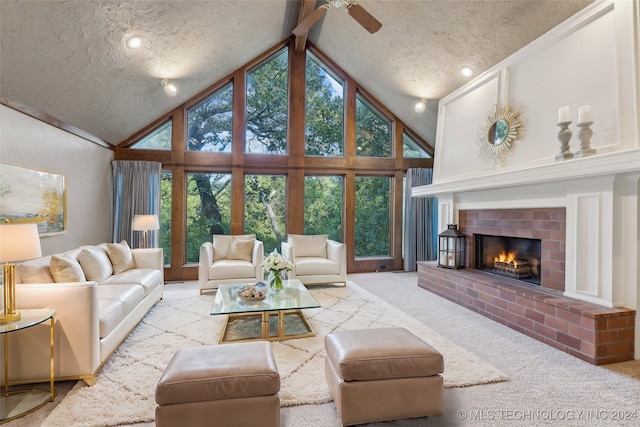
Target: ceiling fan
pixel 354 10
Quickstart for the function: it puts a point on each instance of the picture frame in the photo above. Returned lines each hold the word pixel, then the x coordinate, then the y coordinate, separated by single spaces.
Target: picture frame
pixel 34 197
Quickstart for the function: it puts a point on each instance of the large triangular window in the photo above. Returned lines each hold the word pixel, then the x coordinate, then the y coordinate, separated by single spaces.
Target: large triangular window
pixel 211 121
pixel 267 106
pixel 324 112
pixel 373 131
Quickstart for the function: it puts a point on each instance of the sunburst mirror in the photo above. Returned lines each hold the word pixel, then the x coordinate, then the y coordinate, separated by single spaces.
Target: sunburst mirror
pixel 497 132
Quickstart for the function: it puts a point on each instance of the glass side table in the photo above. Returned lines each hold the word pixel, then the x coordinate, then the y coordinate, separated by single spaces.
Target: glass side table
pixel 14 404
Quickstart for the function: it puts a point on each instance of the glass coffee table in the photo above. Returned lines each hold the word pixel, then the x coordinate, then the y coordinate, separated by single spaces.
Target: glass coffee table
pixel 277 317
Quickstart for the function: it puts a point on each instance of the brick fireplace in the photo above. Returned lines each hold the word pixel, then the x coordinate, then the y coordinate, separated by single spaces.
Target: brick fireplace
pixel 589 331
pixel 585 213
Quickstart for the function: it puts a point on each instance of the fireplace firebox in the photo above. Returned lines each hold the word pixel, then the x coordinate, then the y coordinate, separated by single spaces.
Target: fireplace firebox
pixel 514 257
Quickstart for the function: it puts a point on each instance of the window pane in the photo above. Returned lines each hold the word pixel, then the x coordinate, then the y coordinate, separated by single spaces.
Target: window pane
pixel 267 93
pixel 411 149
pixel 372 216
pixel 165 215
pixel 323 206
pixel 265 209
pixel 210 122
pixel 373 131
pixel 324 114
pixel 159 139
pixel 208 209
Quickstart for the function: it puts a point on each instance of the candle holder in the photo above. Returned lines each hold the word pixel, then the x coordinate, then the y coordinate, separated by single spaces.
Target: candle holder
pixel 564 135
pixel 584 135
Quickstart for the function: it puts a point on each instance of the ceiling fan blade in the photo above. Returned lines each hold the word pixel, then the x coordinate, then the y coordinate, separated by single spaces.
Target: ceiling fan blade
pixel 363 17
pixel 308 22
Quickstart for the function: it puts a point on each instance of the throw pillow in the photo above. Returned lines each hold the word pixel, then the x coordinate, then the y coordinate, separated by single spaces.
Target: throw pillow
pixel 34 271
pixel 65 269
pixel 120 256
pixel 95 264
pixel 241 249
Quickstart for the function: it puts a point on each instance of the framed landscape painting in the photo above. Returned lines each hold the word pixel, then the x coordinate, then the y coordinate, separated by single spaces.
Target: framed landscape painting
pixel 31 196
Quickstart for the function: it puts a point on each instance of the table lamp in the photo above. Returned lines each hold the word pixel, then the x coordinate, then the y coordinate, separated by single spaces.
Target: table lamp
pixel 18 242
pixel 145 223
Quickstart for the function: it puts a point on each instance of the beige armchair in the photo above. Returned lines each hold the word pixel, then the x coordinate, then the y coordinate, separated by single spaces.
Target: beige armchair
pixel 316 259
pixel 230 259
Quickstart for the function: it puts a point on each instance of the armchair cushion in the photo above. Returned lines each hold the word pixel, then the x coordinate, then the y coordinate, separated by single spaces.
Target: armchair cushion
pixel 308 266
pixel 241 249
pixel 309 246
pixel 222 244
pixel 65 269
pixel 231 269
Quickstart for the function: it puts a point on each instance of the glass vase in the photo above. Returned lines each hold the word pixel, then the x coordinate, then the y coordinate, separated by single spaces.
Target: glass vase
pixel 276 280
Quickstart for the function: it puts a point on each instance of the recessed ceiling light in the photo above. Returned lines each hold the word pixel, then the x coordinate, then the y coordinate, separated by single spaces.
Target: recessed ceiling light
pixel 134 42
pixel 466 71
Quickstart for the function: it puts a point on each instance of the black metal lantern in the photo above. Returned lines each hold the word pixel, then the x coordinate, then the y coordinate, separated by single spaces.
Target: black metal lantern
pixel 451 247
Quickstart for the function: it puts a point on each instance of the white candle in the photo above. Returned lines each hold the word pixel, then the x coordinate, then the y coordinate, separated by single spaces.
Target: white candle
pixel 563 114
pixel 584 114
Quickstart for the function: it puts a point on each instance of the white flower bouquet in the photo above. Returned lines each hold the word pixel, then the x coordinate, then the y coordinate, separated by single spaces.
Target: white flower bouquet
pixel 275 264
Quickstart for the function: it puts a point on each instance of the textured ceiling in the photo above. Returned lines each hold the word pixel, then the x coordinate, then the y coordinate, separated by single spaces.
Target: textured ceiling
pixel 66 59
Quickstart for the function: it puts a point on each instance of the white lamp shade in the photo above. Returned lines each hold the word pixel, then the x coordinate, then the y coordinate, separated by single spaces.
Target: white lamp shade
pixel 146 222
pixel 19 242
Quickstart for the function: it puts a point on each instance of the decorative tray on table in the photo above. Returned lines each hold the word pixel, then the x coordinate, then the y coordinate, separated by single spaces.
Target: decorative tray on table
pixel 251 293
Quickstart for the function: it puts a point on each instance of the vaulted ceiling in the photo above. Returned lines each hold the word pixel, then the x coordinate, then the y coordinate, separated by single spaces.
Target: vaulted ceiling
pixel 67 59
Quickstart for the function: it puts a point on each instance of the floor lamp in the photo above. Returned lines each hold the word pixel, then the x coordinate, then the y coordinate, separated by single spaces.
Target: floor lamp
pixel 18 242
pixel 145 223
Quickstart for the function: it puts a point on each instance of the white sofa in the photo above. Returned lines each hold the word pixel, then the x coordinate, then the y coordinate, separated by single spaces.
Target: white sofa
pixel 230 259
pixel 93 317
pixel 316 259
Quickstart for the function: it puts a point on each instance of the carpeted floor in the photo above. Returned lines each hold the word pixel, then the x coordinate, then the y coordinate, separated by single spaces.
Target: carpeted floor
pixel 546 387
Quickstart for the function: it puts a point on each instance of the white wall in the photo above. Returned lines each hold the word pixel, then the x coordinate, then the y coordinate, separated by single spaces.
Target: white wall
pixel 591 59
pixel 30 143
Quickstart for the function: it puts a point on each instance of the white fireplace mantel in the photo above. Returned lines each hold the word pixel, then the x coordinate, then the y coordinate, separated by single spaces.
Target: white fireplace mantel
pixel 587 167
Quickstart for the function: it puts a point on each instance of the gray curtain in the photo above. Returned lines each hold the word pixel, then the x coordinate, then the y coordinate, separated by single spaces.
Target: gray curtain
pixel 136 191
pixel 420 221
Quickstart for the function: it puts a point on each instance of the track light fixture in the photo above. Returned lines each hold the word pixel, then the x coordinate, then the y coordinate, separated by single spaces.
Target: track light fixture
pixel 169 88
pixel 421 105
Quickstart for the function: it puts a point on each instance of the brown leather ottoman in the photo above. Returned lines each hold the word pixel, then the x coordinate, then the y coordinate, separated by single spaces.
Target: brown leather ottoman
pixel 226 385
pixel 383 374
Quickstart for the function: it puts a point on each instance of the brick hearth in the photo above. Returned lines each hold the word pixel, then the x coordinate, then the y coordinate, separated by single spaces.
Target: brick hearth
pixel 594 333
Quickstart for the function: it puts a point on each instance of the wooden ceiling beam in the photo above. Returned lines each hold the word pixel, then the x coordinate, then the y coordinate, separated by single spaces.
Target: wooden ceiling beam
pixel 306 7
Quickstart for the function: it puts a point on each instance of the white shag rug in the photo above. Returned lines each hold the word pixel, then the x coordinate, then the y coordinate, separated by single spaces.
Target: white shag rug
pixel 124 391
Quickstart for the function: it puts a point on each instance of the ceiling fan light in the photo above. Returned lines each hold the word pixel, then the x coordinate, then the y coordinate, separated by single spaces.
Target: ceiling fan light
pixel 134 42
pixel 169 88
pixel 421 105
pixel 466 71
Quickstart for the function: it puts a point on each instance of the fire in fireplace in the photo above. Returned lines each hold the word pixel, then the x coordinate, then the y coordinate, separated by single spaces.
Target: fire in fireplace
pixel 514 257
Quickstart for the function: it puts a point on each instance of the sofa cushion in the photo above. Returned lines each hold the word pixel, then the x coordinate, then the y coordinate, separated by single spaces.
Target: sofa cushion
pixel 65 269
pixel 34 271
pixel 148 278
pixel 312 245
pixel 310 266
pixel 114 303
pixel 95 264
pixel 241 249
pixel 231 269
pixel 120 256
pixel 222 244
